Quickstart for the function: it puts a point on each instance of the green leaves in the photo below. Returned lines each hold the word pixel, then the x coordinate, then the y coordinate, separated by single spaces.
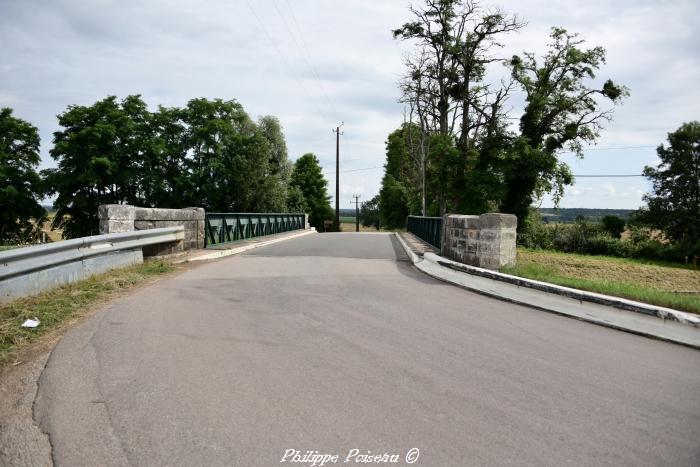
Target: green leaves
pixel 674 204
pixel 309 188
pixel 561 112
pixel 208 154
pixel 20 185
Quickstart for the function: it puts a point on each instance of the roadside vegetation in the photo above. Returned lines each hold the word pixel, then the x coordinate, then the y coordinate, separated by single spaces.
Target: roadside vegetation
pixel 665 284
pixel 58 308
pixel 610 237
pixel 209 153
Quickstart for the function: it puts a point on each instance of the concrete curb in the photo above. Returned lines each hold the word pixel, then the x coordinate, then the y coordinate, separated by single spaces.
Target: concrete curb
pixel 235 250
pixel 618 313
pixel 576 294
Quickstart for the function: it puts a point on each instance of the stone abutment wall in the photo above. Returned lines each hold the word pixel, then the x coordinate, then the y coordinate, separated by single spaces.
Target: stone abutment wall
pixel 486 241
pixel 126 218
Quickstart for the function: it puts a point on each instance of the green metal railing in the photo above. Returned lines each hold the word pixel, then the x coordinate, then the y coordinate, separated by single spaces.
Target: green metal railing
pixel 226 227
pixel 428 229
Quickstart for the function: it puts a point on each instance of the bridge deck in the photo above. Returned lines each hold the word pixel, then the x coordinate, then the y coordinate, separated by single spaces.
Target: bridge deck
pixel 331 343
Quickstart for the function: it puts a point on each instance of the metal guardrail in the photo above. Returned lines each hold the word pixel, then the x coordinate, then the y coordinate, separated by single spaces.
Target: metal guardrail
pixel 226 227
pixel 30 270
pixel 33 258
pixel 428 229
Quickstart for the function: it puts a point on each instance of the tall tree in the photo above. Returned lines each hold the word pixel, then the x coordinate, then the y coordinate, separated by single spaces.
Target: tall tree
pixel 674 205
pixel 98 154
pixel 20 184
pixel 280 168
pixel 308 178
pixel 464 138
pixel 164 180
pixel 369 213
pixel 562 111
pixel 446 89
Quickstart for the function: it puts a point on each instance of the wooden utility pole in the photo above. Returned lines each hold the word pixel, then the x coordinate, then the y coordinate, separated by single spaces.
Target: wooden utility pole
pixel 357 211
pixel 336 224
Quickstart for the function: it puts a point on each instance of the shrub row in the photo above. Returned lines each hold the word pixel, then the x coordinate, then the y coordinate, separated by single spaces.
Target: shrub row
pixel 592 239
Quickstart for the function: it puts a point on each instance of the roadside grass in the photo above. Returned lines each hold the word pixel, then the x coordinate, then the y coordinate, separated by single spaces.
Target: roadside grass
pixel 57 308
pixel 663 284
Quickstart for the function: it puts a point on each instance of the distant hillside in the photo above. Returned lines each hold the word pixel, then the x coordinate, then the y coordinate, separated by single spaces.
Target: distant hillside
pixel 570 214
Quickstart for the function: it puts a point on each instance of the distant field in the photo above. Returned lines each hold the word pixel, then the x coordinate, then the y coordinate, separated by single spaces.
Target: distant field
pixel 349 226
pixel 669 285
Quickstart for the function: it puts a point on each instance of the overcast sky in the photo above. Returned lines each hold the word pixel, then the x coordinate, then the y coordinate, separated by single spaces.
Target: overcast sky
pixel 316 63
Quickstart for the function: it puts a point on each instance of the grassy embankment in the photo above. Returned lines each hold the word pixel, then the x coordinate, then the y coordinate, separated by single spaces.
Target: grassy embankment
pixel 663 284
pixel 56 309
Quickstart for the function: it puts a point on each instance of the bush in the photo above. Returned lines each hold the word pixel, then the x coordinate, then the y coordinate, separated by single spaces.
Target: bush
pixel 613 225
pixel 595 239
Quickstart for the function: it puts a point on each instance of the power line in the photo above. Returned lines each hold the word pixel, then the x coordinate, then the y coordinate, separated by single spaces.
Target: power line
pixel 355 170
pixel 575 175
pixel 304 49
pixel 619 148
pixel 608 176
pixel 284 60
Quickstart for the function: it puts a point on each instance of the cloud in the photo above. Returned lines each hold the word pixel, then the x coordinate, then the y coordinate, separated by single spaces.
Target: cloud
pixel 314 64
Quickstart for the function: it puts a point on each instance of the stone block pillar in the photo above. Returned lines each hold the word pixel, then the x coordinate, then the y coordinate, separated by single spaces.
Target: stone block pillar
pixel 497 238
pixel 486 241
pixel 116 218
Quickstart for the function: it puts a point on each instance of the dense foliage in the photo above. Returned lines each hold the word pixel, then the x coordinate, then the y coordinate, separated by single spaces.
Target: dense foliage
pixel 593 238
pixel 20 184
pixel 208 154
pixel 674 204
pixel 369 213
pixel 613 225
pixel 457 152
pixel 311 190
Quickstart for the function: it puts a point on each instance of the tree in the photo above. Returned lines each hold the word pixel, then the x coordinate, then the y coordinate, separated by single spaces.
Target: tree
pixel 614 225
pixel 467 156
pixel 280 168
pixel 369 213
pixel 99 153
pixel 403 163
pixel 20 184
pixel 208 154
pixel 295 199
pixel 308 178
pixel 561 111
pixel 446 88
pixel 393 203
pixel 674 204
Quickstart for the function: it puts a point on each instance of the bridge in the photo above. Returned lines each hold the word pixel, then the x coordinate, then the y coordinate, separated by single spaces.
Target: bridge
pixel 336 344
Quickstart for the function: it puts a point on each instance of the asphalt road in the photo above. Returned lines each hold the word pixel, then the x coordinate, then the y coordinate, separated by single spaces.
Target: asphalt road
pixel 333 342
